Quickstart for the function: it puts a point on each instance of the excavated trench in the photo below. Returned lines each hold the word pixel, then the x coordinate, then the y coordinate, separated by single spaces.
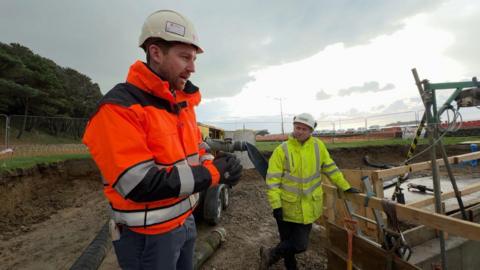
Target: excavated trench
pixel 50 213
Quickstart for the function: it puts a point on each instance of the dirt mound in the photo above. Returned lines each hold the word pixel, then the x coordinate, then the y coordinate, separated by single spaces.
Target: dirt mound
pixel 49 214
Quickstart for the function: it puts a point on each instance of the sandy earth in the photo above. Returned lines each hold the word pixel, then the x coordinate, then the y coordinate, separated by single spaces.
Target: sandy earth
pixel 51 213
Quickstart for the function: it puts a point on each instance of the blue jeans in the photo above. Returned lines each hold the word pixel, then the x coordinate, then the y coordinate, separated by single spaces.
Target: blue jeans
pixel 171 250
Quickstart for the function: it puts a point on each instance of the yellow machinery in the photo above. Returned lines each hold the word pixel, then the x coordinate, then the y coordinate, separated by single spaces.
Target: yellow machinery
pixel 211 132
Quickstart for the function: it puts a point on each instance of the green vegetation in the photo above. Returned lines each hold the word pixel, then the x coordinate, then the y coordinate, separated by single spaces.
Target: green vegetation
pixel 38 137
pixel 27 162
pixel 34 85
pixel 270 146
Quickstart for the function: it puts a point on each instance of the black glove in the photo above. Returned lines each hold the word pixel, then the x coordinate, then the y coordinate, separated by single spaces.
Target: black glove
pixel 229 167
pixel 352 190
pixel 278 214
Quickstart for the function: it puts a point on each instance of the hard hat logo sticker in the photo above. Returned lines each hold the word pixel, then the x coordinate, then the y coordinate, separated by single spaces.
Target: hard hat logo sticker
pixel 175 28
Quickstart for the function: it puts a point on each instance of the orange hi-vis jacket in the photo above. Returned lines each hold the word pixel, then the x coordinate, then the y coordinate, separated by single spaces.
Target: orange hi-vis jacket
pixel 147 145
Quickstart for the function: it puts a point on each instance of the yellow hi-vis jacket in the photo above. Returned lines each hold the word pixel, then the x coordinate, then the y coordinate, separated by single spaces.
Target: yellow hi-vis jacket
pixel 294 179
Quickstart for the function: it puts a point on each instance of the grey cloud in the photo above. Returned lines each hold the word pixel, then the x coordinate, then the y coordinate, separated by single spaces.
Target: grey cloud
pixel 366 87
pixel 99 37
pixel 396 106
pixel 465 31
pixel 321 95
pixel 378 107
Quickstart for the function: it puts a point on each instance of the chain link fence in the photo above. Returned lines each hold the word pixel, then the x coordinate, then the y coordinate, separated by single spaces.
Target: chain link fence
pixel 40 136
pixel 37 135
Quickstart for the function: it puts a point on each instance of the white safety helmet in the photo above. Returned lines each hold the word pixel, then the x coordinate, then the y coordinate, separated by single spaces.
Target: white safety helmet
pixel 305 118
pixel 170 26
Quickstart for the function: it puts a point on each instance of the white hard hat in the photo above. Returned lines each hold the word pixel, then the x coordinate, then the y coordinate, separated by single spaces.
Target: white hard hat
pixel 305 118
pixel 170 26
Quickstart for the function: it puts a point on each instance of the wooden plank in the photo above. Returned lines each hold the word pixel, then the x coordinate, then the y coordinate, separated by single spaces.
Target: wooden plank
pixel 364 254
pixel 354 177
pixel 415 167
pixel 448 224
pixel 466 157
pixel 447 195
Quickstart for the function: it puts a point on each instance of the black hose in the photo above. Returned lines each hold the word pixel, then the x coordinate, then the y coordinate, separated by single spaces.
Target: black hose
pixel 370 163
pixel 96 251
pixel 259 161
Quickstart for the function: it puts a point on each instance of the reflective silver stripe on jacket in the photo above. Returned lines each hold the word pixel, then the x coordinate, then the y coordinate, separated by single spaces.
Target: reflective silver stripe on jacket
pixel 326 166
pixel 301 180
pixel 331 172
pixel 297 179
pixel 187 183
pixel 274 175
pixel 193 160
pixel 155 216
pixel 300 191
pixel 131 178
pixel 206 157
pixel 317 155
pixel 287 157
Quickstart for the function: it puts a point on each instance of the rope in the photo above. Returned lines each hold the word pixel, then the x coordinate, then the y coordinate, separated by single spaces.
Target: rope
pixel 394 240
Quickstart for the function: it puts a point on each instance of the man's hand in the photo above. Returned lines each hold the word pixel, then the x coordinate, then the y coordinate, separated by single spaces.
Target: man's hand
pixel 229 167
pixel 352 190
pixel 278 214
pixel 341 193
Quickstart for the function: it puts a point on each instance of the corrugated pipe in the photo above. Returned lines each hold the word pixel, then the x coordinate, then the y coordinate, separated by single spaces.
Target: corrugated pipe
pixel 96 251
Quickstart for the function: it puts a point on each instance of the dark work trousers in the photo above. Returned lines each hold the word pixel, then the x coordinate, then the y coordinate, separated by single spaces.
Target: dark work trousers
pixel 171 250
pixel 294 239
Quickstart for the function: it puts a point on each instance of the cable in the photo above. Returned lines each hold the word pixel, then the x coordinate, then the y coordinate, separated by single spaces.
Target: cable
pixel 452 127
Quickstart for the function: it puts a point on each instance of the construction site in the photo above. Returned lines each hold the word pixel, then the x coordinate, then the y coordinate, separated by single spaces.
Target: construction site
pixel 420 214
pixel 367 175
pixel 63 209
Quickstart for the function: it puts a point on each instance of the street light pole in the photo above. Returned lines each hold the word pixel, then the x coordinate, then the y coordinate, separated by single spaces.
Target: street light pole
pixel 281 114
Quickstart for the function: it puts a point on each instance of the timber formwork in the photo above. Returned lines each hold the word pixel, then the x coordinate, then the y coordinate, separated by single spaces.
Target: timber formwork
pixel 463 236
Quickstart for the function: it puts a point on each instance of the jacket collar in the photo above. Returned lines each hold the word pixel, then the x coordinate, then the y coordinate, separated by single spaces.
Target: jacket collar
pixel 141 76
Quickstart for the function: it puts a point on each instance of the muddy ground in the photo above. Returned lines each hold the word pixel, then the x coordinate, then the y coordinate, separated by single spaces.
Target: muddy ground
pixel 51 213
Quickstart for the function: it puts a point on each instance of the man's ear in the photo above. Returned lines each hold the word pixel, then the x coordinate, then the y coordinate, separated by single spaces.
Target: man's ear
pixel 155 53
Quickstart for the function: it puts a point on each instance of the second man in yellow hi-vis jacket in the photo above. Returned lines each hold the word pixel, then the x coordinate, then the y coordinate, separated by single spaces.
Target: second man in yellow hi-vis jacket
pixel 294 190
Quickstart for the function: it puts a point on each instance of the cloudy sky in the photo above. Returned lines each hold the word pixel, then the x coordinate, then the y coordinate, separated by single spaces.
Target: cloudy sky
pixel 338 60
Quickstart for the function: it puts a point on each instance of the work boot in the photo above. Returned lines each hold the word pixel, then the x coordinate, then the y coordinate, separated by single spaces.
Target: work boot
pixel 264 258
pixel 268 257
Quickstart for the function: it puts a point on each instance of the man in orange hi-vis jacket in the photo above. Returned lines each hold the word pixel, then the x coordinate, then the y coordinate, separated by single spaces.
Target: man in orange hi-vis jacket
pixel 145 141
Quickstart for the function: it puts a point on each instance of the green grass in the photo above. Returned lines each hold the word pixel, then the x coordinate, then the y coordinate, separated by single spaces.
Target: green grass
pixel 36 137
pixel 27 162
pixel 270 146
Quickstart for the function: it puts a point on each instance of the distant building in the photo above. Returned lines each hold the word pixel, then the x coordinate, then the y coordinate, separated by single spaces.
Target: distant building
pixel 211 132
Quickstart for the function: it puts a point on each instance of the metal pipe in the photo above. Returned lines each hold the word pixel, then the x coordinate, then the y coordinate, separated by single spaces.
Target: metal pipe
pixel 453 181
pixel 433 136
pixel 428 99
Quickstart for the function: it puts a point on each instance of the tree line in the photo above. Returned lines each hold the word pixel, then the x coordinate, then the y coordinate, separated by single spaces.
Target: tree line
pixel 34 85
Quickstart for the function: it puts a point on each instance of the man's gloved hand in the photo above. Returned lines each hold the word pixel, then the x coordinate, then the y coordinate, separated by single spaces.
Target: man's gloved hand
pixel 229 167
pixel 352 190
pixel 341 193
pixel 278 214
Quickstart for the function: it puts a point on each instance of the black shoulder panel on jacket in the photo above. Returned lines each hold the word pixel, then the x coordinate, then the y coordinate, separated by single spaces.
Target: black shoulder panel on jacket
pixel 126 95
pixel 190 88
